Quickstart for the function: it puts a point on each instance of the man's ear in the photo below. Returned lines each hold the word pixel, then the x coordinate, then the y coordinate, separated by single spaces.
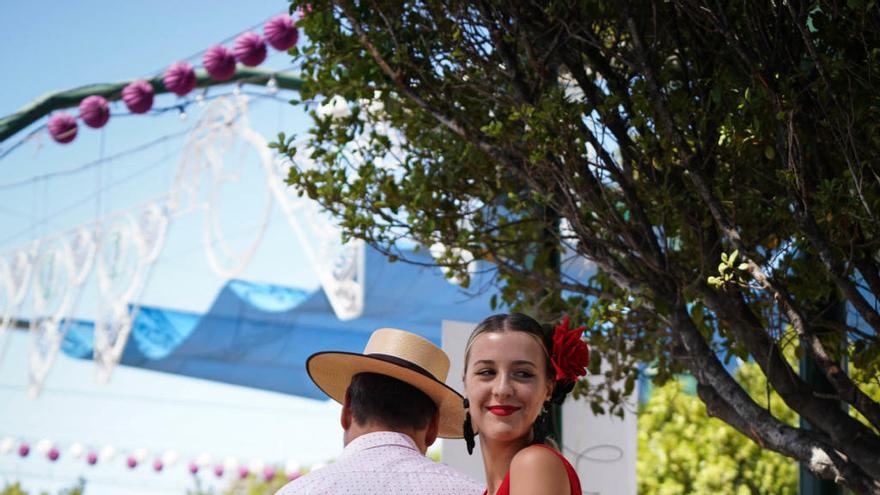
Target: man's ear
pixel 345 416
pixel 433 429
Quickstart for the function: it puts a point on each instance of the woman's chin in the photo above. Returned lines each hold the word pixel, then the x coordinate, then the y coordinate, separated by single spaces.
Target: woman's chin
pixel 502 433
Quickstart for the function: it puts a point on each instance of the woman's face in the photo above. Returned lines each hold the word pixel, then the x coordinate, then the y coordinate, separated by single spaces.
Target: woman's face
pixel 506 383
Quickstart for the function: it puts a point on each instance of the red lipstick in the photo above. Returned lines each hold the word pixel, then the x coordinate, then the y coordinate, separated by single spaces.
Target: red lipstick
pixel 503 410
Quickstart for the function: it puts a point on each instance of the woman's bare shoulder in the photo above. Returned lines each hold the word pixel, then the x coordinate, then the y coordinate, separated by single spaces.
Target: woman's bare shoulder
pixel 536 469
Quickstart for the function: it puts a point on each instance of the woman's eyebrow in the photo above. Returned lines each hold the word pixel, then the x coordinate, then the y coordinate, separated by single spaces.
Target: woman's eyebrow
pixel 519 362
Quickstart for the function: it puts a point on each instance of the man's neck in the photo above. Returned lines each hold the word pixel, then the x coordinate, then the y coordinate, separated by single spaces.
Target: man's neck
pixel 356 430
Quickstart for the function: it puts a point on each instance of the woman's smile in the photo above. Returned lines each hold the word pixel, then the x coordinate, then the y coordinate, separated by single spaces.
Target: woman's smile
pixel 503 410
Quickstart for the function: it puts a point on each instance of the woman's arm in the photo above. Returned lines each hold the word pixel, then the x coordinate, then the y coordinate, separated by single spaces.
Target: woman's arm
pixel 537 471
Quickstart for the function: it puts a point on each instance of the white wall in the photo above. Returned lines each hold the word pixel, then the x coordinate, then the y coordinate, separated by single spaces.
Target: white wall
pixel 454 453
pixel 601 448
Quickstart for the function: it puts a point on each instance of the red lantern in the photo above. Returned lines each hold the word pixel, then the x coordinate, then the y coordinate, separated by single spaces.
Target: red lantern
pixel 219 62
pixel 250 49
pixel 62 127
pixel 138 96
pixel 180 78
pixel 281 32
pixel 94 111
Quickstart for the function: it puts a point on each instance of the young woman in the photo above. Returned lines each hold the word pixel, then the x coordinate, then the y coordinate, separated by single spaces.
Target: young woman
pixel 514 371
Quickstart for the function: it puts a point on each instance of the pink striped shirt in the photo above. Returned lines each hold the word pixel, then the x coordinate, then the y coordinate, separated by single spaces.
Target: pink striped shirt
pixel 383 462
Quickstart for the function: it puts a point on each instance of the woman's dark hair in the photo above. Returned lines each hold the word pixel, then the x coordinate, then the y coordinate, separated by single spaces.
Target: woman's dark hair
pixel 380 399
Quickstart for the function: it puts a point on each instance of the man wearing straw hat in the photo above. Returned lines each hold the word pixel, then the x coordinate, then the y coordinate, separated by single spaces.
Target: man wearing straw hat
pixel 394 406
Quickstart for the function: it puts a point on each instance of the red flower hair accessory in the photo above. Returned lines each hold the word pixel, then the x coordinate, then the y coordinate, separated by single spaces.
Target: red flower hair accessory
pixel 570 355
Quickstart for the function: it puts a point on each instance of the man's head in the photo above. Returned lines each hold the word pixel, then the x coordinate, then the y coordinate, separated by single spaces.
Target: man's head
pixel 397 384
pixel 375 402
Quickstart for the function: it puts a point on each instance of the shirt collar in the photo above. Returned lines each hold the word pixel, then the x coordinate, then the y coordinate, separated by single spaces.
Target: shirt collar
pixel 378 439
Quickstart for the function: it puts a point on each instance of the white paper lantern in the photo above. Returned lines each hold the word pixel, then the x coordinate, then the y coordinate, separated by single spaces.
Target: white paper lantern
pixel 6 445
pixel 43 446
pixel 170 457
pixel 316 466
pixel 140 455
pixel 230 464
pixel 204 460
pixel 107 454
pixel 256 465
pixel 76 450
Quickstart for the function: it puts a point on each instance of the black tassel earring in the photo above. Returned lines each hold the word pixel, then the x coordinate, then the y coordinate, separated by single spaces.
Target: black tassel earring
pixel 541 428
pixel 468 428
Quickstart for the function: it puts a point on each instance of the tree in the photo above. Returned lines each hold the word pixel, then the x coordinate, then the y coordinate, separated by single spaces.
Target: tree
pixel 16 489
pixel 682 450
pixel 717 162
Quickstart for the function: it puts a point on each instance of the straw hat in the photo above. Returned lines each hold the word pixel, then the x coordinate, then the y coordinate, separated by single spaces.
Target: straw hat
pixel 398 354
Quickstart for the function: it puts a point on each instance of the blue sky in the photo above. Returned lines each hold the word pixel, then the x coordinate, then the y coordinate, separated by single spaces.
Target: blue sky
pixel 61 45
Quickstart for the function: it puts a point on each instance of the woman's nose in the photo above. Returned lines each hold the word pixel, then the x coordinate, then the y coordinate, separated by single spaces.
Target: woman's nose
pixel 502 386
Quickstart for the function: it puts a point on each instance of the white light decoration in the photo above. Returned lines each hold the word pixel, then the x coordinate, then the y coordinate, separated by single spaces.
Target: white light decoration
pixel 107 454
pixel 170 457
pixel 140 455
pixel 43 446
pixel 204 460
pixel 6 445
pixel 120 248
pixel 76 450
pixel 230 464
pixel 256 465
pixel 340 267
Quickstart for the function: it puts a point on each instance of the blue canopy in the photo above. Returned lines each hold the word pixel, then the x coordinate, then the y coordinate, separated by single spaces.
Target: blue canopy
pixel 260 336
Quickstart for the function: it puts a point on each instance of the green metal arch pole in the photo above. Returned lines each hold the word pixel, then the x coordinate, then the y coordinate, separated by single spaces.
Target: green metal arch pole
pixel 32 112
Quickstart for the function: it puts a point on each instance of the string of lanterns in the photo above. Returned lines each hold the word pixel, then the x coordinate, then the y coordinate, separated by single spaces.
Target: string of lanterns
pixel 203 463
pixel 179 78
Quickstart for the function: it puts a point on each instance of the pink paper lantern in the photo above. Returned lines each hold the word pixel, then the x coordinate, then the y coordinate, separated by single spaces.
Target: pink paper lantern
pixel 268 473
pixel 62 127
pixel 131 462
pixel 281 32
pixel 218 470
pixel 243 472
pixel 193 468
pixel 92 458
pixel 250 49
pixel 94 111
pixel 53 454
pixel 138 96
pixel 180 78
pixel 293 475
pixel 157 465
pixel 24 449
pixel 219 62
